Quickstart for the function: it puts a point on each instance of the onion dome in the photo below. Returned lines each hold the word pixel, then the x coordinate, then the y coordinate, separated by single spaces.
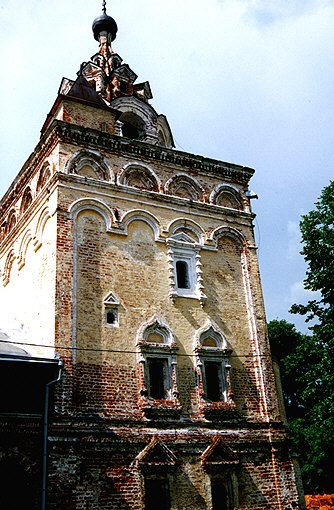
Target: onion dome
pixel 104 23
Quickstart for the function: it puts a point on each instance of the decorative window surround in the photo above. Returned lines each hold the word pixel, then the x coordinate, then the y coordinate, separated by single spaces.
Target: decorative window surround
pixel 220 463
pixel 213 373
pixel 156 464
pixel 185 268
pixel 111 311
pixel 159 397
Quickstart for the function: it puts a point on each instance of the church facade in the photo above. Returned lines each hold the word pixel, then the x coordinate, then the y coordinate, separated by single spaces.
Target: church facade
pixel 136 268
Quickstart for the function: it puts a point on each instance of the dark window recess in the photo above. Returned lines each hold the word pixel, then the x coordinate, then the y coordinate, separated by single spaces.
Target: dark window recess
pixel 130 131
pixel 111 316
pixel 24 494
pixel 182 274
pixel 219 495
pixel 157 494
pixel 222 494
pixel 213 380
pixel 156 372
pixel 123 87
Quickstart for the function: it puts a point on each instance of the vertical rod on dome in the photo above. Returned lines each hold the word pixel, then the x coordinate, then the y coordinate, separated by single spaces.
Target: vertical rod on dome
pixel 104 7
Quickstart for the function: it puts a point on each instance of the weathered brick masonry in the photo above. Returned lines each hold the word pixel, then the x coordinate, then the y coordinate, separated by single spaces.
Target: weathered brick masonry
pixel 143 268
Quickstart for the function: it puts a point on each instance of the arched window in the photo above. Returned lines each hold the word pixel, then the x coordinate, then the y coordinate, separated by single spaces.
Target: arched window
pixel 185 267
pixel 213 369
pixel 157 368
pixel 133 126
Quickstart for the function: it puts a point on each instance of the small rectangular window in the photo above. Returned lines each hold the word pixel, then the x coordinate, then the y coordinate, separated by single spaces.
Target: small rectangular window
pixel 123 86
pixel 182 274
pixel 111 315
pixel 157 494
pixel 213 380
pixel 219 495
pixel 157 378
pixel 222 493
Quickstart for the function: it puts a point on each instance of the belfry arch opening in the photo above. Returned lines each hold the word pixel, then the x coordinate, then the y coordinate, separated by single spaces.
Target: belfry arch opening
pixel 133 126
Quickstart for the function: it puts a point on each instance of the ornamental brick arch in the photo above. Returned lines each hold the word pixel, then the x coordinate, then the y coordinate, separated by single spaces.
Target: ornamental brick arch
pixel 27 238
pixel 155 325
pixel 89 164
pixel 139 176
pixel 44 176
pixel 26 200
pixel 141 215
pixel 188 227
pixel 86 204
pixel 185 186
pixel 10 259
pixel 229 196
pixel 11 221
pixel 235 236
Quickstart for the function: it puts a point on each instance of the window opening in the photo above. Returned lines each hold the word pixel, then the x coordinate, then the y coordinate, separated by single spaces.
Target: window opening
pixel 182 274
pixel 156 372
pixel 157 494
pixel 111 310
pixel 130 131
pixel 213 380
pixel 222 493
pixel 111 316
pixel 123 86
pixel 219 495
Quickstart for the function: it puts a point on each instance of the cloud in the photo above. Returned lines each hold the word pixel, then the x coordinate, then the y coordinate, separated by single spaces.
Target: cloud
pixel 299 295
pixel 267 12
pixel 294 244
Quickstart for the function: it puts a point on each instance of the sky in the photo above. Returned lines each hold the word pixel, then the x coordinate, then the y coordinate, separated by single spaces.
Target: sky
pixel 244 81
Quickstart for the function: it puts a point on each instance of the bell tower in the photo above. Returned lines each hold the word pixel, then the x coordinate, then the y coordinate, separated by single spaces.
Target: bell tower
pixel 135 264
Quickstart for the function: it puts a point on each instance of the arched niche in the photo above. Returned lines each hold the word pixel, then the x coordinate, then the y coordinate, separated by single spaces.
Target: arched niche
pixel 184 186
pixel 140 215
pixel 227 196
pixel 229 237
pixel 11 221
pixel 139 176
pixel 186 228
pixel 88 164
pixel 44 176
pixel 26 200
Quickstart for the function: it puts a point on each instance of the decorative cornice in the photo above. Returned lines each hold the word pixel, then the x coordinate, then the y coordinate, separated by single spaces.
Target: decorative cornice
pixel 85 136
pixel 72 133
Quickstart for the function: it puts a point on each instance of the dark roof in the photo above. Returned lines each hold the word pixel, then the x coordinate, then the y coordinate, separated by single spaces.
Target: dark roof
pixel 81 89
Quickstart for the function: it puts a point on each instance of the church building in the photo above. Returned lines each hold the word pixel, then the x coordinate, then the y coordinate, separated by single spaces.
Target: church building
pixel 140 377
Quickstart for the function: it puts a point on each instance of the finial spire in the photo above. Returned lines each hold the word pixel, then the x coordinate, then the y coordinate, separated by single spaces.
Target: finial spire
pixel 104 7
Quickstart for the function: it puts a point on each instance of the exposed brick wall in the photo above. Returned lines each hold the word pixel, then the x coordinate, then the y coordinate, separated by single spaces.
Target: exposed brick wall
pixel 319 502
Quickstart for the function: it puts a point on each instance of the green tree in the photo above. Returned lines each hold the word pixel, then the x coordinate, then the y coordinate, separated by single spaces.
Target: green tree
pixel 317 231
pixel 307 361
pixel 304 391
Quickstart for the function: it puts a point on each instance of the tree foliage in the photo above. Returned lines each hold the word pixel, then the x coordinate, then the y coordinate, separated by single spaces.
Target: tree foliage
pixel 307 391
pixel 307 361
